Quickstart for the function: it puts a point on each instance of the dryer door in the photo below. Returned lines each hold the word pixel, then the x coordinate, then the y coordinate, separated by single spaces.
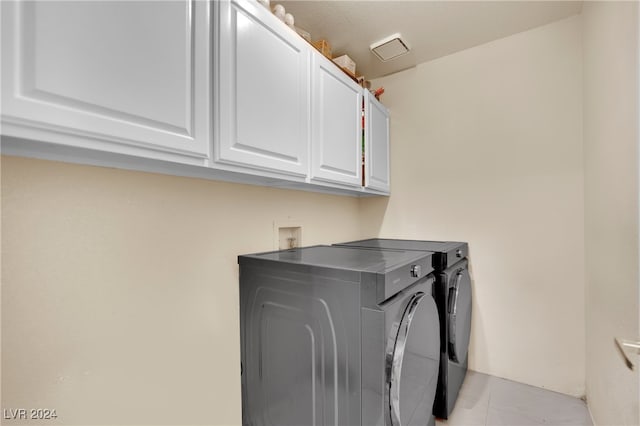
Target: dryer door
pixel 459 313
pixel 415 359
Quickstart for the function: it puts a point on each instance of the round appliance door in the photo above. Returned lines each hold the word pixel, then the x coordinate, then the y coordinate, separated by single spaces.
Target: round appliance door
pixel 414 368
pixel 459 313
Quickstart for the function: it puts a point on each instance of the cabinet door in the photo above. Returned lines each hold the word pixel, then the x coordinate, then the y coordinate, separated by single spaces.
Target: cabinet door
pixel 376 137
pixel 121 76
pixel 264 89
pixel 336 125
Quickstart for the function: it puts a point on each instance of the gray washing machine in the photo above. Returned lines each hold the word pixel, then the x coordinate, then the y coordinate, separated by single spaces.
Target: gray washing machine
pixel 338 336
pixel 453 297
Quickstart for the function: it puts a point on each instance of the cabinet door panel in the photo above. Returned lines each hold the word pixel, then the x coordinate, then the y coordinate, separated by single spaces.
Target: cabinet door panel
pixel 336 125
pixel 377 144
pixel 133 73
pixel 264 86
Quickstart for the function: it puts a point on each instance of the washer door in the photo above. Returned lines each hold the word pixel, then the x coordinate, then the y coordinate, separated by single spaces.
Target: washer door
pixel 459 313
pixel 415 361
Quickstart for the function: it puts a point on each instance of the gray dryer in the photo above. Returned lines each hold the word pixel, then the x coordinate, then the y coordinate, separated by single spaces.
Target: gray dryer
pixel 338 336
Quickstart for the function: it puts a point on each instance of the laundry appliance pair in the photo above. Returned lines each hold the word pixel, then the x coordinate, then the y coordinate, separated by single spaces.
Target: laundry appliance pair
pixel 452 293
pixel 348 335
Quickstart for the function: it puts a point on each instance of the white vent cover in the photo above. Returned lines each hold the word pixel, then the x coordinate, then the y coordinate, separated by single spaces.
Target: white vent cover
pixel 390 47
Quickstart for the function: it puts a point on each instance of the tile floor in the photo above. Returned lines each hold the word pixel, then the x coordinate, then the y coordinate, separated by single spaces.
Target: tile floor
pixel 490 401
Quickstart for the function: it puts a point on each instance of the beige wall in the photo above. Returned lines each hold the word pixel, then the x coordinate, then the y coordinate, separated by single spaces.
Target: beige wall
pixel 611 205
pixel 487 148
pixel 120 289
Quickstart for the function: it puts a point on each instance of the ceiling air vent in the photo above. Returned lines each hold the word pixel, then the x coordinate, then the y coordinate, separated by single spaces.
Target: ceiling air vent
pixel 390 47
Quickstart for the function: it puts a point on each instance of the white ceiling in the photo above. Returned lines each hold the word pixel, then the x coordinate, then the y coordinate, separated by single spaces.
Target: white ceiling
pixel 431 28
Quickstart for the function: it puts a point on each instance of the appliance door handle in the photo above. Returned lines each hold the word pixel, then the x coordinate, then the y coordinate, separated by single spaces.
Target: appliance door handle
pixel 398 355
pixel 627 348
pixel 453 294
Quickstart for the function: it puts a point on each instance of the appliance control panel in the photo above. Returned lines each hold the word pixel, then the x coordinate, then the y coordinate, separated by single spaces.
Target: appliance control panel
pixel 404 276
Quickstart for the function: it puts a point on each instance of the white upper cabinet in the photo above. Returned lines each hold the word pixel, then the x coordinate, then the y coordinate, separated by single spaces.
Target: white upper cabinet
pixel 376 144
pixel 336 125
pixel 219 89
pixel 263 86
pixel 129 77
